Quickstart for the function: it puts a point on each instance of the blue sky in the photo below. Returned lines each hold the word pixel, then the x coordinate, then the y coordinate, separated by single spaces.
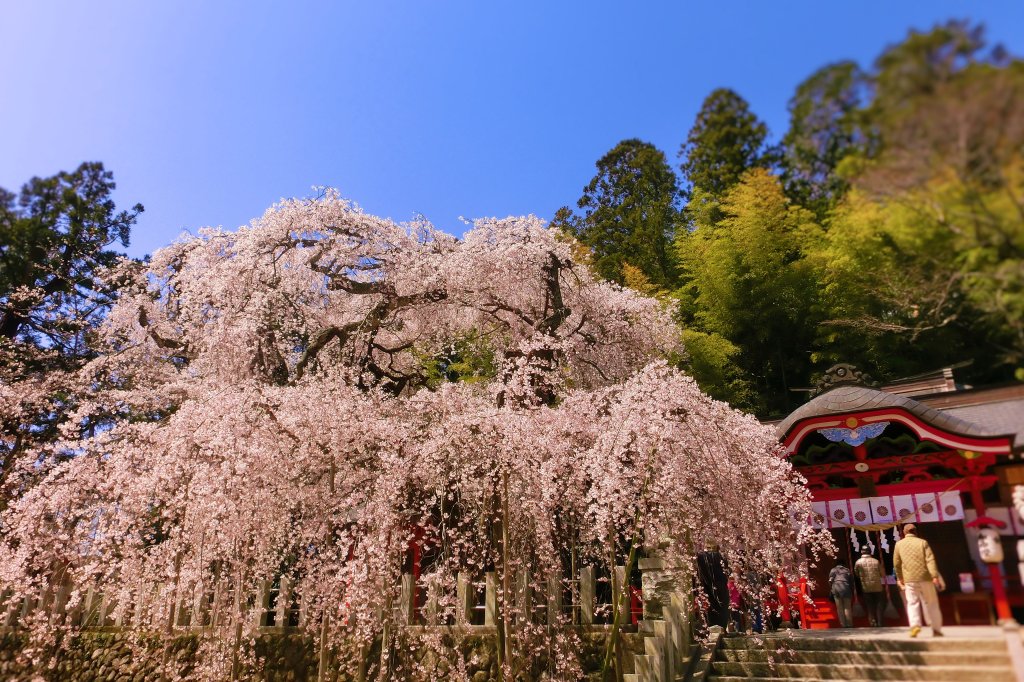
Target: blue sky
pixel 208 112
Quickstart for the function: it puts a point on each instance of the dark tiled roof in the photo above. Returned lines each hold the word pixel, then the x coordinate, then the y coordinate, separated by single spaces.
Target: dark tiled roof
pixel 847 399
pixel 1004 417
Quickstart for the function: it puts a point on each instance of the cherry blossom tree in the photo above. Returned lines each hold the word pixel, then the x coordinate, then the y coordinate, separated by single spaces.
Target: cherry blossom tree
pixel 271 418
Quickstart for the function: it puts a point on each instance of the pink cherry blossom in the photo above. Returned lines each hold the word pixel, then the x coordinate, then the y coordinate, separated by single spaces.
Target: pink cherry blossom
pixel 262 411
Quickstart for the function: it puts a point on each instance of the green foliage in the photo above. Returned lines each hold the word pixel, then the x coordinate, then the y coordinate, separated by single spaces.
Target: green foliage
pixel 897 245
pixel 54 290
pixel 826 126
pixel 726 140
pixel 468 359
pixel 630 211
pixel 750 282
pixel 53 240
pixel 712 362
pixel 915 67
pixel 925 258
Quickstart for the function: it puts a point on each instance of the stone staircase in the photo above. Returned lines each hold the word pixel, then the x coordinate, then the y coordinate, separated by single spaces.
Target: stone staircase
pixel 654 658
pixel 808 657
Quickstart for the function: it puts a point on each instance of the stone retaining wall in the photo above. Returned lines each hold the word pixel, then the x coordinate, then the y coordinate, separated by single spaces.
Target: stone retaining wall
pixel 107 656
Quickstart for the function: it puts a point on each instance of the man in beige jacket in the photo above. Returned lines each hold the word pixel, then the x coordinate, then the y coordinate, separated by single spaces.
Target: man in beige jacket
pixel 918 576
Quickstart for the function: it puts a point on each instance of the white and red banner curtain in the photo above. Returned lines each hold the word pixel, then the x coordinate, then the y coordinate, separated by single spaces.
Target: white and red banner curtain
pixel 862 511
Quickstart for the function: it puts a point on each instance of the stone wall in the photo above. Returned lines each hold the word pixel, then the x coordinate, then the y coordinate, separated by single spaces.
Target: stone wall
pixel 108 656
pixel 478 654
pixel 97 657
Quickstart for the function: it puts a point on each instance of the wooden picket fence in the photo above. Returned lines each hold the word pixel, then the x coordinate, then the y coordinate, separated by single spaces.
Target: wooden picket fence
pixel 472 602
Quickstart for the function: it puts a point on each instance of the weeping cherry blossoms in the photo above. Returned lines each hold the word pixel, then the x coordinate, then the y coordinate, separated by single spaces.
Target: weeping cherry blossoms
pixel 273 402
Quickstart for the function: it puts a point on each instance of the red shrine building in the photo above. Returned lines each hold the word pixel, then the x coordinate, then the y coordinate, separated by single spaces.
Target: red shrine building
pixel 928 451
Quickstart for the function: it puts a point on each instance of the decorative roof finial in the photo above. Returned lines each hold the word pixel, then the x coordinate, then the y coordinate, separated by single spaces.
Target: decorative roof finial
pixel 842 373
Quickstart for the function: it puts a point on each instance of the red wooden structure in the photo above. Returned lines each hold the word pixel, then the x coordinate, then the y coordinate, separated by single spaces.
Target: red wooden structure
pixel 875 459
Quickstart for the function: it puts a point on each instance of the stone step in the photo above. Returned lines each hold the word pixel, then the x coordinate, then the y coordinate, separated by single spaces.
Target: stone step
pixel 926 643
pixel 933 673
pixel 717 678
pixel 922 657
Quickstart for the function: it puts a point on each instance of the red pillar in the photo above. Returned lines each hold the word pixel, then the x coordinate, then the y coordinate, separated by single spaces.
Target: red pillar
pixel 995 573
pixel 802 606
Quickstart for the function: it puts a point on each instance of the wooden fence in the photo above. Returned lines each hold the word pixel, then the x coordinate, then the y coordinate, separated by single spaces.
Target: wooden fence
pixel 472 602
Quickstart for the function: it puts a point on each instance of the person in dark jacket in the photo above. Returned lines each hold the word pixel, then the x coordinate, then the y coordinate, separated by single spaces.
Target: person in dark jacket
pixel 715 583
pixel 840 582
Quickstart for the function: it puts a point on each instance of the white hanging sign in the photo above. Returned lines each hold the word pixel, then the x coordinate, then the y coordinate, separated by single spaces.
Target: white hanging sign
pixel 819 515
pixel 860 509
pixel 951 506
pixel 838 514
pixel 904 508
pixel 881 509
pixel 927 507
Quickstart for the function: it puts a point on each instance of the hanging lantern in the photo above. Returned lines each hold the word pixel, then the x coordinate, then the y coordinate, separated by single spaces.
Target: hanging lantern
pixel 990 546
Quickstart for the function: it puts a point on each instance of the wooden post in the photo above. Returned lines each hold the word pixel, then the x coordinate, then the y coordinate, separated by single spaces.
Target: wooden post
pixel 46 603
pixel 464 597
pixel 88 606
pixel 9 605
pixel 303 612
pixel 60 604
pixel 405 613
pixel 142 599
pixel 263 603
pixel 524 598
pixel 554 599
pixel 782 588
pixel 620 599
pixel 430 607
pixel 588 594
pixel 107 605
pixel 284 598
pixel 202 613
pixel 490 599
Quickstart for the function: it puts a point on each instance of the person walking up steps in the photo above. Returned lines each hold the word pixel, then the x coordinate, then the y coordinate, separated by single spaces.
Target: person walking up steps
pixel 869 573
pixel 840 582
pixel 918 575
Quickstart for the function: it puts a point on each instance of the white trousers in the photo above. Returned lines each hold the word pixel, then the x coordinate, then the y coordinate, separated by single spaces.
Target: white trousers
pixel 921 596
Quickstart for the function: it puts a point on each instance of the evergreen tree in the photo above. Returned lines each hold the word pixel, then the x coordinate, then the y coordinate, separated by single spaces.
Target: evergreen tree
pixel 55 288
pixel 726 140
pixel 629 214
pixel 825 127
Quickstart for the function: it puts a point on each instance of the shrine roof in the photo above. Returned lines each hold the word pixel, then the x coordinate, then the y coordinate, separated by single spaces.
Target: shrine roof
pixel 850 399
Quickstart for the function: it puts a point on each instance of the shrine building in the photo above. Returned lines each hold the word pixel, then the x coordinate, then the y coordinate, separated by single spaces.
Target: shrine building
pixel 928 451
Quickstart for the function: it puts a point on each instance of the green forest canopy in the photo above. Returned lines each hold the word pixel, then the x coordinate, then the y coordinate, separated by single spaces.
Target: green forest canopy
pixel 885 228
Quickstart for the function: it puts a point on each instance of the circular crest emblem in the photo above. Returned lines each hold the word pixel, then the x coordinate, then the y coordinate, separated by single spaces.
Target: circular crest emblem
pixel 882 510
pixel 860 516
pixel 950 510
pixel 927 507
pixel 839 514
